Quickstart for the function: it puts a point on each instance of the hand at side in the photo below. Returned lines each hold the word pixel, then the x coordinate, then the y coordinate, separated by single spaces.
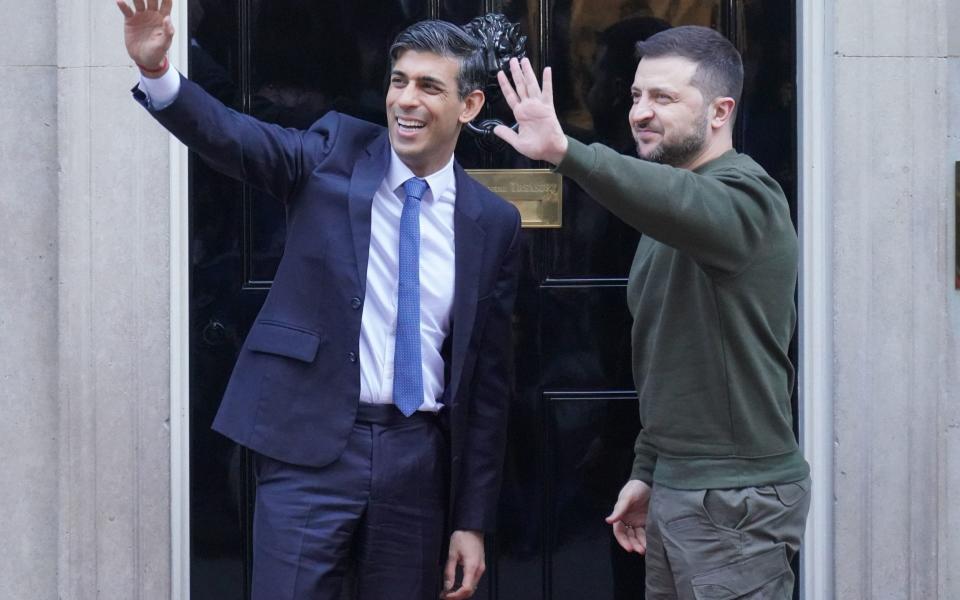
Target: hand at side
pixel 466 551
pixel 629 516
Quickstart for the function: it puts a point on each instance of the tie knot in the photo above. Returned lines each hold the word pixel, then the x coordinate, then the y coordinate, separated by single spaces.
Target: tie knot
pixel 415 187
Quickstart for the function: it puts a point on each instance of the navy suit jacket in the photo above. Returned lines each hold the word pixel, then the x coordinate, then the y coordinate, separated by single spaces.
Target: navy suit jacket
pixel 294 390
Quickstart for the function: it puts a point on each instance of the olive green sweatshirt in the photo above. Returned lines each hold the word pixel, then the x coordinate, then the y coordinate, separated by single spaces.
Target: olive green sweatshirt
pixel 711 291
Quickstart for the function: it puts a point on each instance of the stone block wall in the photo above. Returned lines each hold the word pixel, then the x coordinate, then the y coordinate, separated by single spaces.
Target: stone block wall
pixel 114 318
pixel 895 309
pixel 950 408
pixel 84 312
pixel 29 300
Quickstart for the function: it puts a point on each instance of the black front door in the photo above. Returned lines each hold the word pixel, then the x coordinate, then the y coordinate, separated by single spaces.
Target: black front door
pixel 574 416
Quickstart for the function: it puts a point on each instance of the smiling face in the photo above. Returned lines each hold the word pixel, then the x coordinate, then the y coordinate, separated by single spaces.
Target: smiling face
pixel 669 118
pixel 425 111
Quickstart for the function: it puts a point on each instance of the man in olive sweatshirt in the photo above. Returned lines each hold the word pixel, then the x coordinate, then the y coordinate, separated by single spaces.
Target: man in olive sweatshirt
pixel 719 493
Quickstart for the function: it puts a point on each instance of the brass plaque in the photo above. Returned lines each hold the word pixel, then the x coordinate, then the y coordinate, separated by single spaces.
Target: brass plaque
pixel 537 193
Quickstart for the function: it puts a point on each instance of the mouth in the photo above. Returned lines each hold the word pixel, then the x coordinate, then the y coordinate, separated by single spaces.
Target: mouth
pixel 409 125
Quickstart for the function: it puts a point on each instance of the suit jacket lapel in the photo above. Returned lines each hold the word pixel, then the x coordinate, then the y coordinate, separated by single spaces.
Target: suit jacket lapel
pixel 468 247
pixel 368 173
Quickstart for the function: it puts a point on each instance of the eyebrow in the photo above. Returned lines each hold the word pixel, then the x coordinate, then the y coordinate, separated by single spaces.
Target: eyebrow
pixel 425 78
pixel 668 90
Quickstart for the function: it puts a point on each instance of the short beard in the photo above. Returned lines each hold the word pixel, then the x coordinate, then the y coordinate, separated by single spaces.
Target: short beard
pixel 681 152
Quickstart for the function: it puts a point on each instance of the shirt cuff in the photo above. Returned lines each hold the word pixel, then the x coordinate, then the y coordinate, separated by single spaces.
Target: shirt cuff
pixel 162 91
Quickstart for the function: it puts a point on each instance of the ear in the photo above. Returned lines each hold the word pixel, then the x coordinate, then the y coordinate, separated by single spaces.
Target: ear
pixel 472 104
pixel 721 112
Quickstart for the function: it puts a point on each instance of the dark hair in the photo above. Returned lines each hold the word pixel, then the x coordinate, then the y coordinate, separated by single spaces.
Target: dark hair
pixel 719 67
pixel 445 39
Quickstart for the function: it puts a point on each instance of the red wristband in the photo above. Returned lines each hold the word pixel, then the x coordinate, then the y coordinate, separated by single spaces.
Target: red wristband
pixel 163 67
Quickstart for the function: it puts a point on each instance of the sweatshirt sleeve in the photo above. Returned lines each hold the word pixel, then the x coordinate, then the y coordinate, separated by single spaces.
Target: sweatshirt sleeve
pixel 718 219
pixel 644 459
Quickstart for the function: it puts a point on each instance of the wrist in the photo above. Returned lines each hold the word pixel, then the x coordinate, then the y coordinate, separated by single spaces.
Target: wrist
pixel 155 72
pixel 559 150
pixel 470 532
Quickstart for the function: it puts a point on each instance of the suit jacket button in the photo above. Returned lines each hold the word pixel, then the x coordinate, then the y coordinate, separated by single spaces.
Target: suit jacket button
pixel 352 357
pixel 355 303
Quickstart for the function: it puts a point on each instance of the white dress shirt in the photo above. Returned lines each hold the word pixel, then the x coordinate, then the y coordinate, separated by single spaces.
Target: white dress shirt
pixel 378 325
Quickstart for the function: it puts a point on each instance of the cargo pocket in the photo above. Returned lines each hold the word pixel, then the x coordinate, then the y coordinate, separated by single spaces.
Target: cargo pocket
pixel 791 493
pixel 760 577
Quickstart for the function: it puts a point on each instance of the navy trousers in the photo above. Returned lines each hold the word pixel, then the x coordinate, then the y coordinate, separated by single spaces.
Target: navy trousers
pixel 381 505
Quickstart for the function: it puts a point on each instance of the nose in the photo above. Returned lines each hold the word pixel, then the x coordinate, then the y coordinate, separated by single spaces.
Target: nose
pixel 641 112
pixel 408 97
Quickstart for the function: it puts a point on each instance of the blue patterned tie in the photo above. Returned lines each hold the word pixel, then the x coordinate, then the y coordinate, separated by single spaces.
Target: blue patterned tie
pixel 407 366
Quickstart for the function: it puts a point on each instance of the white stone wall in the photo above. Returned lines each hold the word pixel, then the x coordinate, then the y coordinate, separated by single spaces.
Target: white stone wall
pixel 28 300
pixel 113 319
pixel 84 312
pixel 950 408
pixel 895 310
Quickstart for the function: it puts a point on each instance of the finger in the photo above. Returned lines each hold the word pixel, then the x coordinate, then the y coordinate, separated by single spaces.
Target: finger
pixel 618 511
pixel 620 533
pixel 507 90
pixel 166 7
pixel 138 4
pixel 506 134
pixel 472 572
pixel 153 5
pixel 126 10
pixel 548 85
pixel 638 539
pixel 461 593
pixel 530 78
pixel 518 81
pixel 641 535
pixel 450 573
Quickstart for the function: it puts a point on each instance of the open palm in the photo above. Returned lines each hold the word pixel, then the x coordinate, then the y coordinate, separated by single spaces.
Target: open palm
pixel 147 30
pixel 540 136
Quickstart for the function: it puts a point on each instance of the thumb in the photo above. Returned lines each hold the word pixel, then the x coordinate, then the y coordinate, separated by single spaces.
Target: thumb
pixel 167 34
pixel 506 134
pixel 619 509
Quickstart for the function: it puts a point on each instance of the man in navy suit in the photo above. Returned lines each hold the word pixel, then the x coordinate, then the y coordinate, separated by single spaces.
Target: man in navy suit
pixel 373 386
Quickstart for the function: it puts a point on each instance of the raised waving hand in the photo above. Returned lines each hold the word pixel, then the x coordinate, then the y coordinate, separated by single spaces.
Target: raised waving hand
pixel 540 136
pixel 147 32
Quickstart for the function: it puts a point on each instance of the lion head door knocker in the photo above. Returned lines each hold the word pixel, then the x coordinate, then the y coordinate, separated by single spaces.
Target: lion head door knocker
pixel 501 40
